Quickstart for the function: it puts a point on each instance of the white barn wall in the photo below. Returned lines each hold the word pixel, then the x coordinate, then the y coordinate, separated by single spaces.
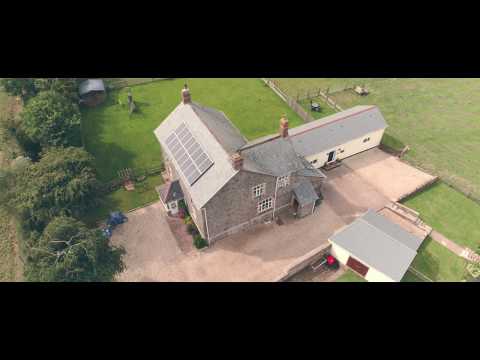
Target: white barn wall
pixel 373 275
pixel 350 148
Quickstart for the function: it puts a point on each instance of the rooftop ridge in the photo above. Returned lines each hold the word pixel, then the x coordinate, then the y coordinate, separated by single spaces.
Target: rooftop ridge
pixel 330 122
pixel 383 232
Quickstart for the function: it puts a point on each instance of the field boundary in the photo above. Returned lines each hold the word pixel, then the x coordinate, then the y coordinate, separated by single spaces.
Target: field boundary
pixel 119 84
pixel 420 275
pixel 306 117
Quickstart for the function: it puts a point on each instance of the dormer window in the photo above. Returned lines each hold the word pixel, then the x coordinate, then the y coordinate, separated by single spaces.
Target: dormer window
pixel 283 181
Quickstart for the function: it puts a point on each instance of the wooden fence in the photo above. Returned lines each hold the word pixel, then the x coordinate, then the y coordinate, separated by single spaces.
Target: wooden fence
pixel 326 95
pixel 290 101
pixel 117 183
pixel 124 82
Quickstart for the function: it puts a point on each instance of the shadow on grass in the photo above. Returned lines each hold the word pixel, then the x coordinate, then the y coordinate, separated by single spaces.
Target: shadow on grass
pixel 425 262
pixel 393 143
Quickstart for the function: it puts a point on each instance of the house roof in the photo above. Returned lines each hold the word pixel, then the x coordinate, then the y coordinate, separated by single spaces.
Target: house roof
pixel 305 193
pixel 276 157
pixel 91 85
pixel 170 192
pixel 335 130
pixel 379 243
pixel 209 128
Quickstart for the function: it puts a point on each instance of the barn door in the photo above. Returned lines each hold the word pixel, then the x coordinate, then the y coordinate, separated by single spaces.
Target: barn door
pixel 357 266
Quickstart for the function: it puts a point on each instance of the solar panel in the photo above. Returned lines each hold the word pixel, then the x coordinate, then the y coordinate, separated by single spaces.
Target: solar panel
pixel 192 160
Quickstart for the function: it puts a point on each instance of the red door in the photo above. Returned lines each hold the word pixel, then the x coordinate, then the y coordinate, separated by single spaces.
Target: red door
pixel 357 266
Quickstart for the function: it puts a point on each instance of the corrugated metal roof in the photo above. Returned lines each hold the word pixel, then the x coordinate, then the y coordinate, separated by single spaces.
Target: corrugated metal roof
pixel 91 85
pixel 380 244
pixel 335 130
pixel 305 193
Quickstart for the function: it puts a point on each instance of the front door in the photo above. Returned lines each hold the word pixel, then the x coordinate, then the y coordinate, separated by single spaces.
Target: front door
pixel 331 156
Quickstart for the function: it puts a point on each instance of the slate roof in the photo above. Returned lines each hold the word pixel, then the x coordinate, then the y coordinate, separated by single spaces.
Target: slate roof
pixel 275 157
pixel 305 193
pixel 170 192
pixel 91 85
pixel 332 131
pixel 379 243
pixel 210 131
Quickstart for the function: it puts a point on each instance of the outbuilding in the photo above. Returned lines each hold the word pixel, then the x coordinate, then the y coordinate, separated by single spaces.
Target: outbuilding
pixel 340 135
pixel 375 248
pixel 170 194
pixel 92 92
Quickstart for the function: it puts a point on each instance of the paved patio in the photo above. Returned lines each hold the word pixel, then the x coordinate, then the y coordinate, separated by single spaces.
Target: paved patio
pixel 266 252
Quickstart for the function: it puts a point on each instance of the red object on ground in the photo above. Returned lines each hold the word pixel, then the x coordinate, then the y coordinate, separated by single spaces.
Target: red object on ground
pixel 330 260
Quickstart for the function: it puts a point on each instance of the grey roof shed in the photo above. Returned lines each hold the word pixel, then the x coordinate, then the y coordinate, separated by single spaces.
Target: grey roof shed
pixel 379 243
pixel 335 130
pixel 91 85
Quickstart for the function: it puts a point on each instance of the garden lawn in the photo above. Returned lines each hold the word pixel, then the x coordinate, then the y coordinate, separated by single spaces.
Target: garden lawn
pixel 350 276
pixel 122 200
pixel 438 118
pixel 450 213
pixel 438 263
pixel 118 140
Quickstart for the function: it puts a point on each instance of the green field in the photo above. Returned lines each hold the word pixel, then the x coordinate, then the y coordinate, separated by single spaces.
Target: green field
pixel 438 118
pixel 450 213
pixel 123 200
pixel 438 263
pixel 118 140
pixel 350 276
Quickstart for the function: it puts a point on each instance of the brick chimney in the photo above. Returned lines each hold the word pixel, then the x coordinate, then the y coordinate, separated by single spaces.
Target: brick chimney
pixel 186 97
pixel 284 127
pixel 237 161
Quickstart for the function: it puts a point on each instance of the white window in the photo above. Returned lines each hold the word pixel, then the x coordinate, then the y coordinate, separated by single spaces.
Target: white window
pixel 258 190
pixel 283 181
pixel 264 205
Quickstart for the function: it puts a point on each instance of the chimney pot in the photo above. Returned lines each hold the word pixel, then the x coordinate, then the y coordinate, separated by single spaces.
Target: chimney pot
pixel 284 127
pixel 237 161
pixel 186 97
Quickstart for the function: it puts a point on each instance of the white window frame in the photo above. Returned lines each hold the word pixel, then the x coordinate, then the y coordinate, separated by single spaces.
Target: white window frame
pixel 258 190
pixel 265 205
pixel 283 181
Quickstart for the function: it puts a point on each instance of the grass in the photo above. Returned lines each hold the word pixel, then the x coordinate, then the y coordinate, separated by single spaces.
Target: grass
pixel 450 213
pixel 350 276
pixel 438 263
pixel 437 118
pixel 118 140
pixel 123 200
pixel 410 277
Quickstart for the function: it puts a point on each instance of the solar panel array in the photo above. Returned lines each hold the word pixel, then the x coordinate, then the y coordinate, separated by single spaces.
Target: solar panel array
pixel 188 154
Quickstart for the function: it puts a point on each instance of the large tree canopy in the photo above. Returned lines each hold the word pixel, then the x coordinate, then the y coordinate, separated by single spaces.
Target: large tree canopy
pixel 69 251
pixel 23 87
pixel 68 87
pixel 51 119
pixel 62 182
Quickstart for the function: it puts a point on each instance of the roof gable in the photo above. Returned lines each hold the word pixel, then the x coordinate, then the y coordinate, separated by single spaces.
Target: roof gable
pixel 335 130
pixel 219 173
pixel 370 239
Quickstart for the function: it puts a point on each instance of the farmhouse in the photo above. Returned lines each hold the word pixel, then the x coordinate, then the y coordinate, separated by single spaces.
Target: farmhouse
pixel 375 248
pixel 230 184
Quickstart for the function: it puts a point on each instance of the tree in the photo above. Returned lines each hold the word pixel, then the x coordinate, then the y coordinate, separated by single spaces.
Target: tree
pixel 67 87
pixel 63 181
pixel 69 251
pixel 23 87
pixel 51 119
